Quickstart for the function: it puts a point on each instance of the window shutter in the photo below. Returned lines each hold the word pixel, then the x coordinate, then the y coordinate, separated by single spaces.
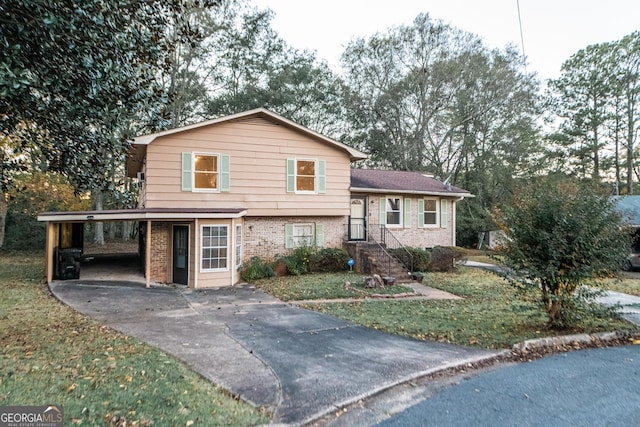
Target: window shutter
pixel 319 235
pixel 186 171
pixel 322 176
pixel 291 175
pixel 420 213
pixel 383 211
pixel 443 213
pixel 225 173
pixel 407 213
pixel 288 236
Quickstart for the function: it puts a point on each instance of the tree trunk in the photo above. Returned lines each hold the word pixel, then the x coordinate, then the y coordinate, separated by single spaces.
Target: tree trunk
pixel 3 218
pixel 98 233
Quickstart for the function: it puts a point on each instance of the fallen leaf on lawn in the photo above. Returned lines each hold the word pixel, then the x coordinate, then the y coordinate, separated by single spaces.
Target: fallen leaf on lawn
pixel 190 423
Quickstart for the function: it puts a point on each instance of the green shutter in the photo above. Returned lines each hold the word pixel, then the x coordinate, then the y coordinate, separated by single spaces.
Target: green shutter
pixel 407 213
pixel 319 235
pixel 322 176
pixel 383 211
pixel 225 173
pixel 186 171
pixel 420 213
pixel 443 213
pixel 288 236
pixel 291 175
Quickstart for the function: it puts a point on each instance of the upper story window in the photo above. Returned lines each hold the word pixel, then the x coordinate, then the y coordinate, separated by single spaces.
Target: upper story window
pixel 205 172
pixel 306 176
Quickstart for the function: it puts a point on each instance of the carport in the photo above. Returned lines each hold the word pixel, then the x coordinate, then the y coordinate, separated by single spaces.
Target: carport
pixel 64 230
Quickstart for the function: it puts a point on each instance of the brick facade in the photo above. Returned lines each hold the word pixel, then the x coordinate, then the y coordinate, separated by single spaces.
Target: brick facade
pixel 160 245
pixel 265 237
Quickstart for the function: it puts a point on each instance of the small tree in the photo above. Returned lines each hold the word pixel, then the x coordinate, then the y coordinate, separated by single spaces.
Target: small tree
pixel 560 236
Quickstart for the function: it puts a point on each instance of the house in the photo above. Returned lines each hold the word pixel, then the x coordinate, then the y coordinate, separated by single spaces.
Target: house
pixel 216 193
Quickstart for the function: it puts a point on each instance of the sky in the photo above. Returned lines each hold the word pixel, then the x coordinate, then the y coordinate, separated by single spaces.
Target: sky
pixel 552 30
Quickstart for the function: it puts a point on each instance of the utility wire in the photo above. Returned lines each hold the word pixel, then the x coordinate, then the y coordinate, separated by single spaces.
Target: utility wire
pixel 524 57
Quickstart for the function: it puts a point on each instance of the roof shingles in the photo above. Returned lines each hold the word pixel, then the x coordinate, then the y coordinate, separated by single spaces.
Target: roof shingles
pixel 401 181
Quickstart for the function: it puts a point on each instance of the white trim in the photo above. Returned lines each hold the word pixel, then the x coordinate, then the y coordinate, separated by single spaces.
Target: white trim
pixel 436 213
pixel 214 270
pixel 295 175
pixel 137 216
pixel 400 212
pixel 195 189
pixel 412 192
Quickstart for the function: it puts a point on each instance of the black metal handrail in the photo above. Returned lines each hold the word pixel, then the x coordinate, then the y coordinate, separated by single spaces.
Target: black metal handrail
pixel 391 242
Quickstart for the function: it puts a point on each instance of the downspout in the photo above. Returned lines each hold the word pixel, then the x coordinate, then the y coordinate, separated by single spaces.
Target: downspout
pixel 147 257
pixel 196 252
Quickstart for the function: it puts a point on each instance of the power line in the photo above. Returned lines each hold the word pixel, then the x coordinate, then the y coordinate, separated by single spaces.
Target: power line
pixel 524 57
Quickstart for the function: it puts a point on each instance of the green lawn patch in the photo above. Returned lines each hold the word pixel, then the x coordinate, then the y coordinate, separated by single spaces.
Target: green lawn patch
pixel 323 286
pixel 624 285
pixel 492 315
pixel 50 354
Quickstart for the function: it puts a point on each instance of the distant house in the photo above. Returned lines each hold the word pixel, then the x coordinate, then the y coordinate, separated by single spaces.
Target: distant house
pixel 216 193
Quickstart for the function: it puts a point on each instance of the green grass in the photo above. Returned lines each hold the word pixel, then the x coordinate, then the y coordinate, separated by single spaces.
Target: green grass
pixel 50 354
pixel 624 285
pixel 492 315
pixel 322 286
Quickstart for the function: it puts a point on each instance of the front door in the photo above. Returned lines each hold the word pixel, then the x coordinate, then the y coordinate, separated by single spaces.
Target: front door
pixel 180 254
pixel 357 221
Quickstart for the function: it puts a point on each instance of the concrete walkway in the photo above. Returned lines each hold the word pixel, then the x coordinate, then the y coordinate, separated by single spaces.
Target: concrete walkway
pixel 297 363
pixel 629 305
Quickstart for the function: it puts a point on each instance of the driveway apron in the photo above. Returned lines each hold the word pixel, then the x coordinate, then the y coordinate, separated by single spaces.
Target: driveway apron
pixel 297 363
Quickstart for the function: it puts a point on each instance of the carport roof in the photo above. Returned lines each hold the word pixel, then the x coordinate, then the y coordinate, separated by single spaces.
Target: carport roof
pixel 142 214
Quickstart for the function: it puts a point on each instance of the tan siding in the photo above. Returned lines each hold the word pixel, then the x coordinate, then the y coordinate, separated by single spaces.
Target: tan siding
pixel 258 151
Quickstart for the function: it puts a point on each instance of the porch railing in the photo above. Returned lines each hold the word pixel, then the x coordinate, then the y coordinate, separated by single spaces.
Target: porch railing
pixel 383 243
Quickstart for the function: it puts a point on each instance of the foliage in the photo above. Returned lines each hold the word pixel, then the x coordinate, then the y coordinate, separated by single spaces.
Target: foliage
pixel 323 286
pixel 491 314
pixel 256 269
pixel 562 236
pixel 410 256
pixel 30 195
pixel 329 260
pixel 444 258
pixel 297 261
pixel 597 99
pixel 76 78
pixel 50 353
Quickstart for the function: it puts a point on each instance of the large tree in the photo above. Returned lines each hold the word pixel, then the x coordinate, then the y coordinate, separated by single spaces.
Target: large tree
pixel 430 97
pixel 75 75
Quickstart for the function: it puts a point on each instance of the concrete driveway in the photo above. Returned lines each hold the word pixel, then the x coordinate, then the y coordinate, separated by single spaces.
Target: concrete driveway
pixel 297 363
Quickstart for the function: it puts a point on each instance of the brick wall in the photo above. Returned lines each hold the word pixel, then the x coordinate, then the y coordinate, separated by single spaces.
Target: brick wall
pixel 264 237
pixel 159 263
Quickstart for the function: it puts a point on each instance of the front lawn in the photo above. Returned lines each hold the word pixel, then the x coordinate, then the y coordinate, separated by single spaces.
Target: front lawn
pixel 50 354
pixel 491 315
pixel 323 286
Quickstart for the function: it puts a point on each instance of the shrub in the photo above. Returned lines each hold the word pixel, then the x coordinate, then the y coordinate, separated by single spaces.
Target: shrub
pixel 256 269
pixel 297 261
pixel 329 260
pixel 444 258
pixel 417 261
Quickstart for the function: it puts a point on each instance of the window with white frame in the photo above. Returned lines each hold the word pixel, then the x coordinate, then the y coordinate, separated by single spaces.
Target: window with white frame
pixel 306 176
pixel 215 247
pixel 238 245
pixel 205 172
pixel 394 211
pixel 300 235
pixel 430 212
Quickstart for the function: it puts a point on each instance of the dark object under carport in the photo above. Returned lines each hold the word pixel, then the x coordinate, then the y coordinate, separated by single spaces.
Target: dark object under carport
pixel 69 263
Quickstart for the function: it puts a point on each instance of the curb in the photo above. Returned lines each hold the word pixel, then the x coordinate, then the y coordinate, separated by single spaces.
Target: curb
pixel 575 339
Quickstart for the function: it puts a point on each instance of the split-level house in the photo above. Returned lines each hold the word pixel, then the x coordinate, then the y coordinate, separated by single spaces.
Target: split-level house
pixel 216 193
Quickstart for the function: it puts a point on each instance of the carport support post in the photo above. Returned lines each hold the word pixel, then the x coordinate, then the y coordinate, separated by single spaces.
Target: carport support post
pixel 147 256
pixel 49 251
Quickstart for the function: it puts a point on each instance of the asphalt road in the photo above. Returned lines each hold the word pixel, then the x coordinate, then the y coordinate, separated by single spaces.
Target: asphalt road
pixel 598 387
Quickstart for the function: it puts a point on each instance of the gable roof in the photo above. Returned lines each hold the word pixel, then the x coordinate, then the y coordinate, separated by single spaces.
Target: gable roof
pixel 386 181
pixel 144 140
